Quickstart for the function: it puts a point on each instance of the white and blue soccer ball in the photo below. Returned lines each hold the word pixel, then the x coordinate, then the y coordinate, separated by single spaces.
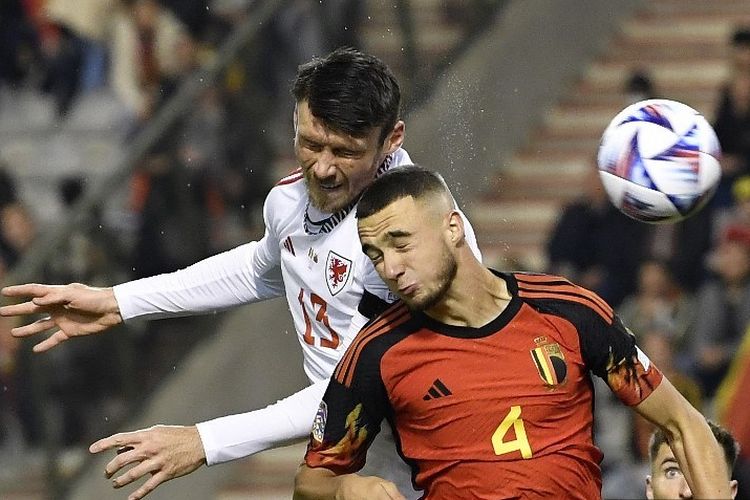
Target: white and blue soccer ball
pixel 659 161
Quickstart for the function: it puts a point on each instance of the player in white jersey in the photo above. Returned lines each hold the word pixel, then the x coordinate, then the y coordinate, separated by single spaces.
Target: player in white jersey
pixel 347 130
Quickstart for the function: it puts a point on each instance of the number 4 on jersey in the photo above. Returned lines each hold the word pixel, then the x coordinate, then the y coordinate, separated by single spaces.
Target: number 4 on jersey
pixel 520 443
pixel 321 316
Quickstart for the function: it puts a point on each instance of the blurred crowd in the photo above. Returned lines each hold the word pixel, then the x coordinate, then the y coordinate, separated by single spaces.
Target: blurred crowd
pixel 196 192
pixel 683 288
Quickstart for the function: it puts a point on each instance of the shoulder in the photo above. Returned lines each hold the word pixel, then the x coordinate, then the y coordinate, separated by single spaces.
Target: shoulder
pixel 557 295
pixel 376 337
pixel 287 194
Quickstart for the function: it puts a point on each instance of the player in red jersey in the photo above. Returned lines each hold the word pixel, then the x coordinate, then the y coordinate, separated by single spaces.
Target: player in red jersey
pixel 484 376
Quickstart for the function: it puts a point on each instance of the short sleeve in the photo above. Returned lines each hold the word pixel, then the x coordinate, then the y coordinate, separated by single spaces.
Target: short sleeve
pixel 610 352
pixel 347 420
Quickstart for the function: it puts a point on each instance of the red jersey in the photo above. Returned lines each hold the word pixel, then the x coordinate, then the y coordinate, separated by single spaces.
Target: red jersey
pixel 501 411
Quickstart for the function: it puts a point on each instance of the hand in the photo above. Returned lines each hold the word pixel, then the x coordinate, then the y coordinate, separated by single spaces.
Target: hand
pixel 164 451
pixel 75 309
pixel 355 487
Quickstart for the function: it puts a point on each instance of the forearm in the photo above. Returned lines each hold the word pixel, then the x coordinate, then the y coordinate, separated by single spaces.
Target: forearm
pixel 700 457
pixel 228 279
pixel 287 421
pixel 316 483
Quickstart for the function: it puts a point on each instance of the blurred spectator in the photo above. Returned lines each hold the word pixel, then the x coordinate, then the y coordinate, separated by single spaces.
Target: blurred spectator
pixel 19 43
pixel 17 226
pixel 739 213
pixel 722 308
pixel 175 206
pixel 659 301
pixel 732 123
pixel 639 86
pixel 149 47
pixel 658 343
pixel 597 246
pixel 77 61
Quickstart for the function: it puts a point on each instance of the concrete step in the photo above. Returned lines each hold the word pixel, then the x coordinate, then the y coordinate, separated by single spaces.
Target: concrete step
pixel 707 73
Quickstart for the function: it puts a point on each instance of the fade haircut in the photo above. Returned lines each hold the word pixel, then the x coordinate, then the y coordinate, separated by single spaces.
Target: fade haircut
pixel 350 92
pixel 401 182
pixel 725 439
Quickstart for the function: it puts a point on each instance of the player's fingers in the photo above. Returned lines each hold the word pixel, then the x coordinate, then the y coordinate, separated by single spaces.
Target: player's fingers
pixel 119 440
pixel 149 486
pixel 37 326
pixel 54 297
pixel 22 309
pixel 135 473
pixel 26 290
pixel 121 460
pixel 55 339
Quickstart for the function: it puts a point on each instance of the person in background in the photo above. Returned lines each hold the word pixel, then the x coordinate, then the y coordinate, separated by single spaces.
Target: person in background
pixel 667 479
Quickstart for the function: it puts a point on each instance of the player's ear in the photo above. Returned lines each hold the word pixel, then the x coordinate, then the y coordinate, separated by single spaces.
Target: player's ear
pixel 395 138
pixel 295 118
pixel 649 489
pixel 733 487
pixel 455 227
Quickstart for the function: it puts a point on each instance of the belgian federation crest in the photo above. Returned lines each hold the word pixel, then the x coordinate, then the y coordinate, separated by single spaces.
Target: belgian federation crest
pixel 550 363
pixel 338 269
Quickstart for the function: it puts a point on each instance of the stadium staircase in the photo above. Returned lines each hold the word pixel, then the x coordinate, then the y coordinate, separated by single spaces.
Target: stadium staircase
pixel 682 44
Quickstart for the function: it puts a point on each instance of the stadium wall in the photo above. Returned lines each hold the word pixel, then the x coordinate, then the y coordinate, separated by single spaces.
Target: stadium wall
pixel 487 103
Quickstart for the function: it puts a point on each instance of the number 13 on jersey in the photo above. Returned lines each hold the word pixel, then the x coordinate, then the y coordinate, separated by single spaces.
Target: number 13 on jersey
pixel 319 307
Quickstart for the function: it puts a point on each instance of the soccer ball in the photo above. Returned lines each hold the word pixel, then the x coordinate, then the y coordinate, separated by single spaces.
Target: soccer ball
pixel 659 161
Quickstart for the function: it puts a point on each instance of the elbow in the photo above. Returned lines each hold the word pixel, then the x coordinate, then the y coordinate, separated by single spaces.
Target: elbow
pixel 301 484
pixel 682 422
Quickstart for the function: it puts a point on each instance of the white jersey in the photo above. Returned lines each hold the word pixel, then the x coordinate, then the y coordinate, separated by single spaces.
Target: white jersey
pixel 316 260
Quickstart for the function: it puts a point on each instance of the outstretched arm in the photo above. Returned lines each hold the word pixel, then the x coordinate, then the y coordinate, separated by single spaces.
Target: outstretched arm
pixel 75 310
pixel 168 452
pixel 690 438
pixel 242 275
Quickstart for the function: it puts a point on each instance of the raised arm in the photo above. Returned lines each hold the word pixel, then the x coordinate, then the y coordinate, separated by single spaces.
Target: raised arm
pixel 690 438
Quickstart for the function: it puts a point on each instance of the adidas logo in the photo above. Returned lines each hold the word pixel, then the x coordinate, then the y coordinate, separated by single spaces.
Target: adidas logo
pixel 437 390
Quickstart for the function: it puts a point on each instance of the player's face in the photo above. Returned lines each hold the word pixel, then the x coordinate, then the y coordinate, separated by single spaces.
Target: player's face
pixel 410 252
pixel 337 166
pixel 667 481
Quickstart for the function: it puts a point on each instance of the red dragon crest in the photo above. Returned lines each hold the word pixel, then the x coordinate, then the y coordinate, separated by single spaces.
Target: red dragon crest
pixel 338 269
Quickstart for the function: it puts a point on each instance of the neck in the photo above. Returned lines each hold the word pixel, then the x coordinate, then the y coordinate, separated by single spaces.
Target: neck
pixel 476 296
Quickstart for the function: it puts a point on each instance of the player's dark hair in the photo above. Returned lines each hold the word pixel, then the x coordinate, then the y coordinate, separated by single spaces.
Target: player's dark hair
pixel 725 439
pixel 401 182
pixel 350 92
